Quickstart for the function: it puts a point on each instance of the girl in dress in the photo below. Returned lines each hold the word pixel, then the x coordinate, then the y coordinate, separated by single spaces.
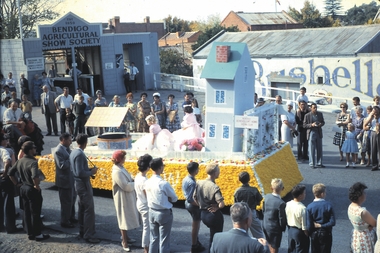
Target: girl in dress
pixel 350 146
pixel 157 139
pixel 190 129
pixel 144 111
pixel 172 121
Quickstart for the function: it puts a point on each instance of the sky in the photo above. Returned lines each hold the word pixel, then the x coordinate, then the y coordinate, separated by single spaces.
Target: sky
pixel 136 11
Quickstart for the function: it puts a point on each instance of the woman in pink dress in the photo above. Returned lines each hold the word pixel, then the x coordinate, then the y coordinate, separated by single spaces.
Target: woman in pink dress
pixel 190 129
pixel 157 139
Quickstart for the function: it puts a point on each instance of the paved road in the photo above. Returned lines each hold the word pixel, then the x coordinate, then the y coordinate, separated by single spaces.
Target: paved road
pixel 335 176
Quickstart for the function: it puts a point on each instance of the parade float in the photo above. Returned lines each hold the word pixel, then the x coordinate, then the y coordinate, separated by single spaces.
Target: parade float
pixel 237 136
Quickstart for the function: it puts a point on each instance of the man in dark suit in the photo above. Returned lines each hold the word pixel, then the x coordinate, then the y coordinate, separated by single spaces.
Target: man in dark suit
pixel 64 180
pixel 274 222
pixel 48 109
pixel 237 239
pixel 314 122
pixel 302 145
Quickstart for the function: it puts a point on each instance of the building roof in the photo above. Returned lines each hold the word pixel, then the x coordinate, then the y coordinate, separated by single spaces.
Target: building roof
pixel 178 35
pixel 223 70
pixel 266 18
pixel 317 42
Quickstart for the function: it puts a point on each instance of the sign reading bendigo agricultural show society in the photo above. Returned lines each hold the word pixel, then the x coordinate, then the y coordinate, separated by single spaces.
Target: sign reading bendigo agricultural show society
pixel 251 122
pixel 69 31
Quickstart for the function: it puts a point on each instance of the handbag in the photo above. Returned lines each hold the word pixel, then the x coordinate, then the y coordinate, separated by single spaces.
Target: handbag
pixel 171 116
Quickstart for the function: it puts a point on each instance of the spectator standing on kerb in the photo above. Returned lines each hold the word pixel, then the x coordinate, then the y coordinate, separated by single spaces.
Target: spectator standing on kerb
pixel 24 85
pixel 11 82
pixel 252 197
pixel 48 109
pixel 62 102
pixel 133 73
pixel 188 187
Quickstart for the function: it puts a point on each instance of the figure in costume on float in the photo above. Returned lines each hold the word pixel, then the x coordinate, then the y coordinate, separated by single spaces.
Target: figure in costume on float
pixel 157 139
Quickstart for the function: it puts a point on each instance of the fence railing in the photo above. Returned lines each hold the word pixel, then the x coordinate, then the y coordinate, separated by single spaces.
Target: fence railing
pixel 176 82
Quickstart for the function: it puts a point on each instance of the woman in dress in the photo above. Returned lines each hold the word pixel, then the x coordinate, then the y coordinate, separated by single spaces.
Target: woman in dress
pixel 196 111
pixel 116 103
pixel 158 110
pixel 100 101
pixel 288 125
pixel 190 129
pixel 130 120
pixel 359 132
pixel 157 139
pixel 342 119
pixel 142 202
pixel 363 234
pixel 172 121
pixel 144 111
pixel 37 89
pixel 46 81
pixel 124 197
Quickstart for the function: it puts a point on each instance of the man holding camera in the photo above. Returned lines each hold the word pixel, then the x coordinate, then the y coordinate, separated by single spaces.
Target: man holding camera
pixel 82 174
pixel 314 122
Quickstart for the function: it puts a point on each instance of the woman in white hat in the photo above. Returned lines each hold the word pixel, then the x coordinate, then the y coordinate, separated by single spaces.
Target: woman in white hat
pixel 288 124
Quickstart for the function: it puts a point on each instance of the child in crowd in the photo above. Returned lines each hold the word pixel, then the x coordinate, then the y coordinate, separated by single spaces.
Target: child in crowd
pixel 70 117
pixel 26 106
pixel 302 96
pixel 350 146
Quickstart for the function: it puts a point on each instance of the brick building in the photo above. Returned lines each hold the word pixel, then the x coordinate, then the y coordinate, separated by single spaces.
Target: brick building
pixel 255 21
pixel 115 26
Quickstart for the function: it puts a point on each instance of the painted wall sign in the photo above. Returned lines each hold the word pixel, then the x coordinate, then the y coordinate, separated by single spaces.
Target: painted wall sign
pixel 344 77
pixel 35 63
pixel 251 122
pixel 69 31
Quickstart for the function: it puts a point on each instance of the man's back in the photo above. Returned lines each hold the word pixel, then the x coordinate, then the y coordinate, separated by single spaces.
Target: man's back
pixel 235 241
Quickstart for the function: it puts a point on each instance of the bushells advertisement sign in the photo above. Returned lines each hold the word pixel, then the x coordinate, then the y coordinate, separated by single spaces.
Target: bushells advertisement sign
pixel 69 31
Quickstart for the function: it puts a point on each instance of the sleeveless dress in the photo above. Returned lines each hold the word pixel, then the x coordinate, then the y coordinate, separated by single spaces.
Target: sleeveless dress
pixel 190 130
pixel 339 136
pixel 362 240
pixel 350 145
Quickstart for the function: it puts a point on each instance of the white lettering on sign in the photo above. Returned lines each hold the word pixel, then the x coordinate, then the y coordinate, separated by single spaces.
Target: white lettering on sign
pixel 36 63
pixel 250 122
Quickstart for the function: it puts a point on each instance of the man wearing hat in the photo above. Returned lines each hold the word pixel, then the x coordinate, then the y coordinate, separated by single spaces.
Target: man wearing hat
pixel 30 191
pixel 7 190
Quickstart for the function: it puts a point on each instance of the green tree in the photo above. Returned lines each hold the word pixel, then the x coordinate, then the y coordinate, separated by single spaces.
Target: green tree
pixel 211 32
pixel 172 62
pixel 333 7
pixel 33 12
pixel 174 24
pixel 361 15
pixel 310 16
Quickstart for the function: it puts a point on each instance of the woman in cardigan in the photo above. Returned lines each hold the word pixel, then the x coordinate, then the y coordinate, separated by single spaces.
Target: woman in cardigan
pixel 124 197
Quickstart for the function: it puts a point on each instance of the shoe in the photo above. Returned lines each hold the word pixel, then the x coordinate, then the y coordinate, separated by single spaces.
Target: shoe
pixel 93 240
pixel 197 248
pixel 362 162
pixel 44 237
pixel 73 220
pixel 353 165
pixel 131 240
pixel 312 167
pixel 127 249
pixel 67 225
pixel 347 165
pixel 321 166
pixel 48 134
pixel 15 230
pixel 31 237
pixel 375 168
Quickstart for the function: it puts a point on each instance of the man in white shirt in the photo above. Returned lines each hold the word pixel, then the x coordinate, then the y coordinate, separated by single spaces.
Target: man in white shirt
pixel 11 82
pixel 160 197
pixel 81 93
pixel 133 72
pixel 298 237
pixel 11 121
pixel 62 102
pixel 356 103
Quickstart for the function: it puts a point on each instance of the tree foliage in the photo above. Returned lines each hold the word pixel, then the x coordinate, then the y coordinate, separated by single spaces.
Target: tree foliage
pixel 211 32
pixel 33 12
pixel 174 24
pixel 172 62
pixel 361 15
pixel 333 7
pixel 310 16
